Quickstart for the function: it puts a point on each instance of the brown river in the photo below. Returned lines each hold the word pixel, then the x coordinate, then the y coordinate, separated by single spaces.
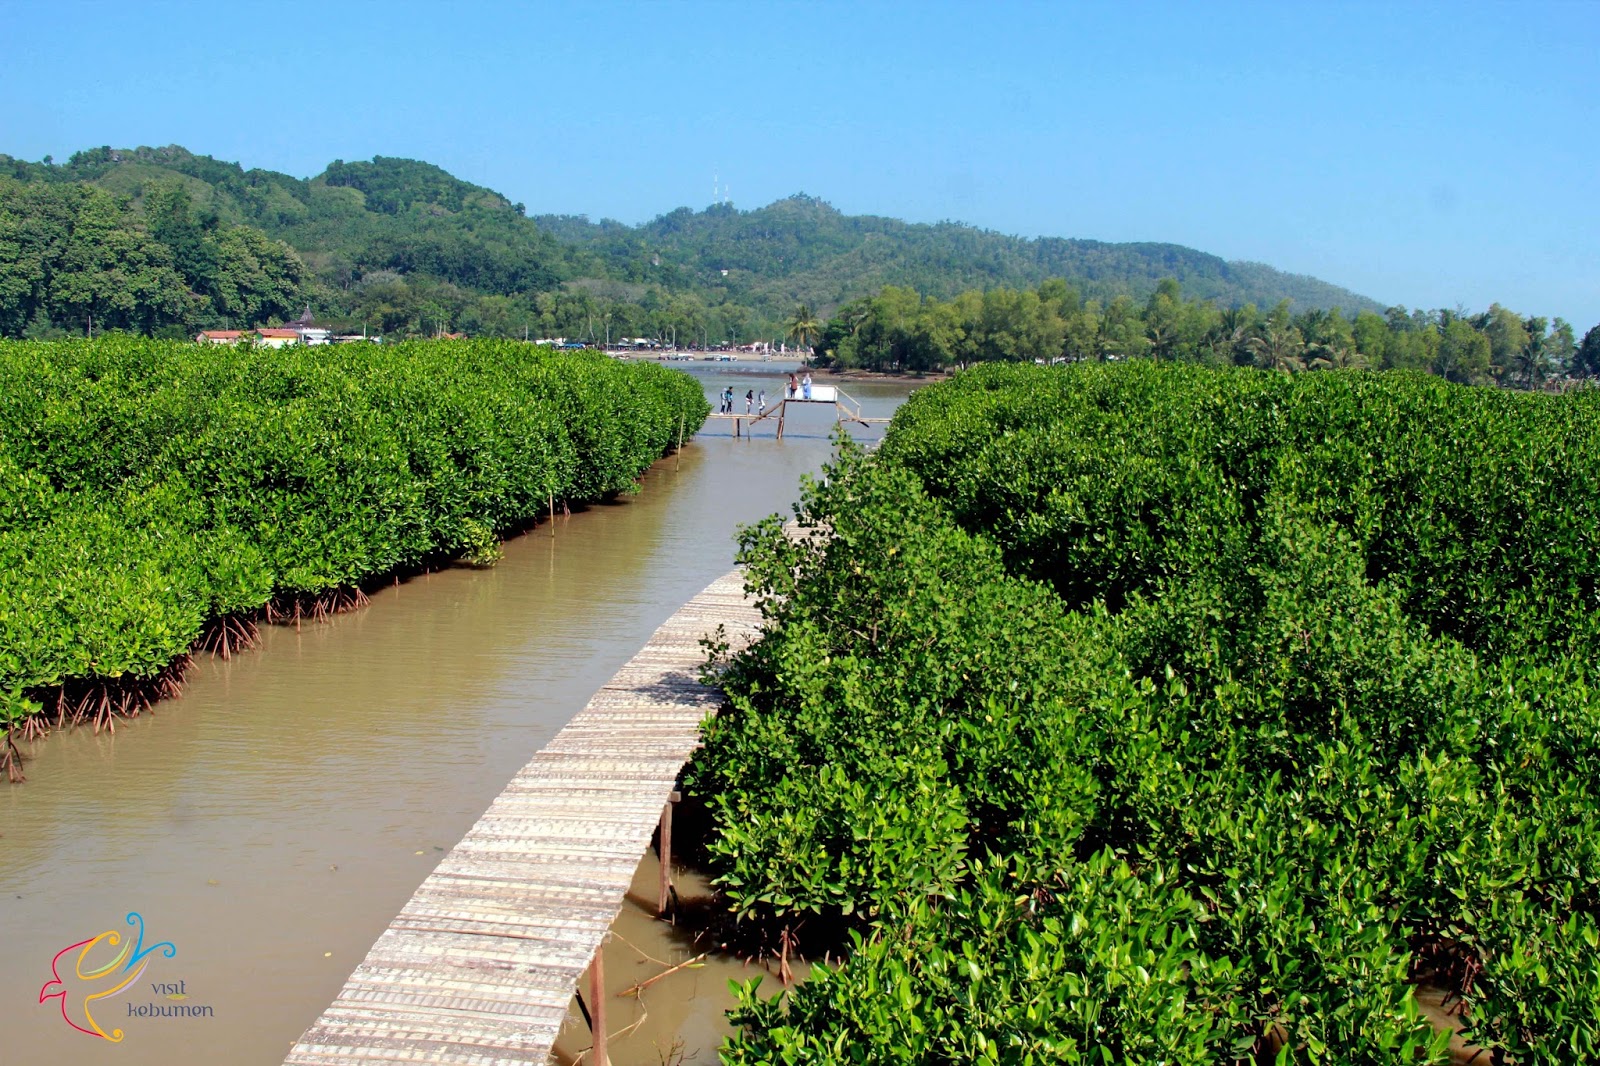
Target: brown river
pixel 267 825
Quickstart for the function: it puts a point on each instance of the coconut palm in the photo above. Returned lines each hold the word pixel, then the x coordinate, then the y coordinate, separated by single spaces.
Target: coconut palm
pixel 1334 357
pixel 1229 337
pixel 803 327
pixel 1529 364
pixel 1278 346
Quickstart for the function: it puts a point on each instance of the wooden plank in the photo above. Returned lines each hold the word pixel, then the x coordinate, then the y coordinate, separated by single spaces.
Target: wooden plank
pixel 480 965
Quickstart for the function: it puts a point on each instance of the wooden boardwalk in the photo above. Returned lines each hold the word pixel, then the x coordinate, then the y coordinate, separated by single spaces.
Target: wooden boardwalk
pixel 849 411
pixel 480 966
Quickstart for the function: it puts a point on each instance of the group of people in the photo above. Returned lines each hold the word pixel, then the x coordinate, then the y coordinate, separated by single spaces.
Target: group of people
pixel 755 401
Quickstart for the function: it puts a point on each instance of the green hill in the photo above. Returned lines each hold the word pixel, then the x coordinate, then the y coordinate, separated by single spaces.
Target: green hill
pixel 402 246
pixel 801 249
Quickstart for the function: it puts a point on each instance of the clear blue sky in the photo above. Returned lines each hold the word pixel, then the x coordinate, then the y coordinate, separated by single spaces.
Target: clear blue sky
pixel 1425 155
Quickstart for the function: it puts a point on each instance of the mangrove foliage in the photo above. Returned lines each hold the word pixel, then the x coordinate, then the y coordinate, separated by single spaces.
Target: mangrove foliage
pixel 1150 713
pixel 158 494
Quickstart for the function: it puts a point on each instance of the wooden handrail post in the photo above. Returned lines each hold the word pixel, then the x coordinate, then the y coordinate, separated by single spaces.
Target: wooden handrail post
pixel 597 1010
pixel 664 854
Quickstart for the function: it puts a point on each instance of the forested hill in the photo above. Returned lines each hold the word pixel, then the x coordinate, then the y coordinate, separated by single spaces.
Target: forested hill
pixel 801 249
pixel 164 240
pixel 352 220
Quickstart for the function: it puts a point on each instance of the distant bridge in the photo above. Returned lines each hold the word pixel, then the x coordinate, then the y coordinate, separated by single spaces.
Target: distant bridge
pixel 846 409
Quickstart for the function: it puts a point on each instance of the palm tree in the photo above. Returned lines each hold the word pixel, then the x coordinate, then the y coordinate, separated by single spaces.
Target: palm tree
pixel 803 327
pixel 1163 337
pixel 1230 336
pixel 853 317
pixel 1529 364
pixel 1334 357
pixel 1278 347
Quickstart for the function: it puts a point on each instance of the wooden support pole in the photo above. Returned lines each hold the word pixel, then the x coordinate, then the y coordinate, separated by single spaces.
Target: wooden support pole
pixel 782 410
pixel 552 514
pixel 664 854
pixel 597 1009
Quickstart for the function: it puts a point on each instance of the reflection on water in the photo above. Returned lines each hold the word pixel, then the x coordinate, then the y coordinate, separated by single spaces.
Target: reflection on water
pixel 271 821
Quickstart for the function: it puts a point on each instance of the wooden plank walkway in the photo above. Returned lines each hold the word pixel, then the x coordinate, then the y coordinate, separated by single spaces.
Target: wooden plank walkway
pixel 480 966
pixel 778 410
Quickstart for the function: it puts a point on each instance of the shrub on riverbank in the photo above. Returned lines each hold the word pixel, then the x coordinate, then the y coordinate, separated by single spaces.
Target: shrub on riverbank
pixel 150 488
pixel 1137 714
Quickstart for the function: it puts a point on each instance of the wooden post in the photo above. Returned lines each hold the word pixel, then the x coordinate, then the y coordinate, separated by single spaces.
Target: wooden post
pixel 664 854
pixel 782 410
pixel 597 1009
pixel 552 513
pixel 678 463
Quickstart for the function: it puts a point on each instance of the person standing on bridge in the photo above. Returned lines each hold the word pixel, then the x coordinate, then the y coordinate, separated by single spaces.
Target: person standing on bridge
pixel 805 385
pixel 749 400
pixel 793 387
pixel 761 402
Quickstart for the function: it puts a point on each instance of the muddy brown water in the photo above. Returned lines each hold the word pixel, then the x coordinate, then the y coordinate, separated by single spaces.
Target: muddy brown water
pixel 270 823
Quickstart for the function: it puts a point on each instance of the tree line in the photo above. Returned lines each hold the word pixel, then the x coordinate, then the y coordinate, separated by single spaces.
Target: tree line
pixel 75 259
pixel 161 241
pixel 901 330
pixel 402 247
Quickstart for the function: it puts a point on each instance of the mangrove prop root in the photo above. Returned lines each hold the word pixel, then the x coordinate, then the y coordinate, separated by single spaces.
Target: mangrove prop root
pixel 100 701
pixel 225 636
pixel 1446 963
pixel 289 608
pixel 11 759
pixel 713 928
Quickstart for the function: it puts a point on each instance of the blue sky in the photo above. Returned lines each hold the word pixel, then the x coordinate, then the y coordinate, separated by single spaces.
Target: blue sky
pixel 1429 155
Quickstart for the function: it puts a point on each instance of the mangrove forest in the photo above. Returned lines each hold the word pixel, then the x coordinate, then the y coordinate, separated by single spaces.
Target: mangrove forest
pixel 158 498
pixel 1146 713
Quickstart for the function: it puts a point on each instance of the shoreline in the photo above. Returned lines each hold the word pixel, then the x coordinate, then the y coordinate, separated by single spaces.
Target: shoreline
pixel 101 700
pixel 746 361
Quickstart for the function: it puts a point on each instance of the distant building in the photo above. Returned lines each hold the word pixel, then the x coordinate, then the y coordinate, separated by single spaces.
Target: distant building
pixel 307 329
pixel 223 336
pixel 302 331
pixel 270 337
